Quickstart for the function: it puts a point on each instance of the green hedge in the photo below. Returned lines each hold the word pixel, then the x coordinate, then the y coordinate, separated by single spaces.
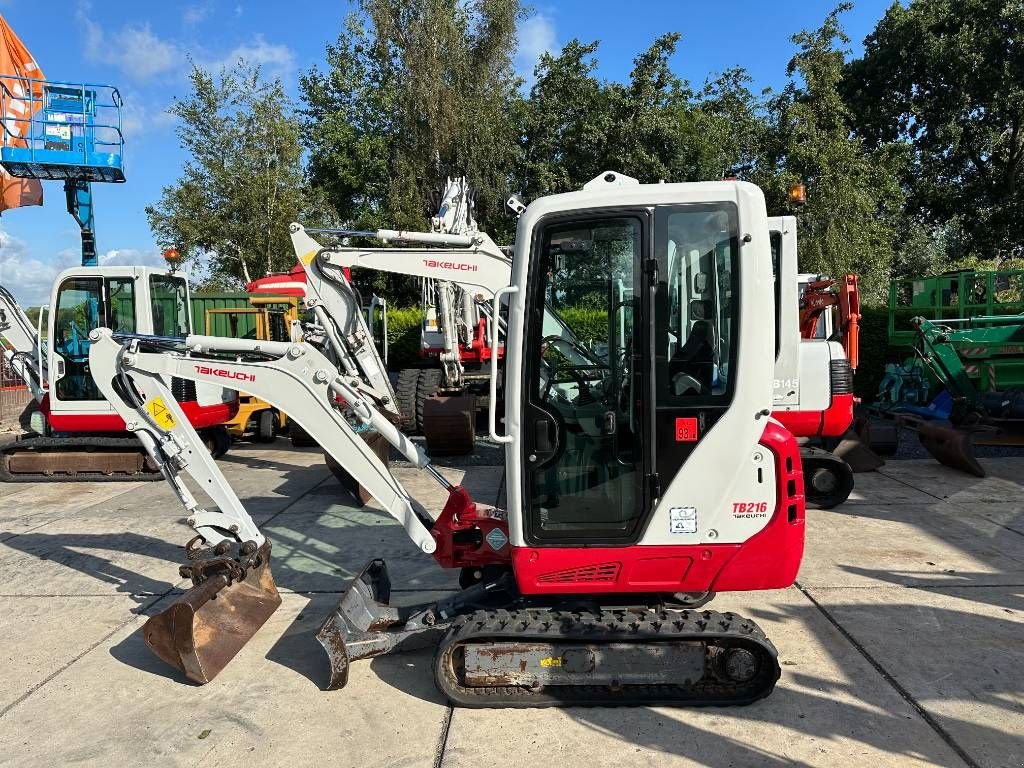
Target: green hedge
pixel 874 351
pixel 404 336
pixel 591 325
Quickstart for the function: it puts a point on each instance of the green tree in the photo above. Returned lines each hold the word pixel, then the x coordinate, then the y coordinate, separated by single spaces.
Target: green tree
pixel 415 91
pixel 653 127
pixel 853 219
pixel 243 182
pixel 566 123
pixel 947 78
pixel 725 129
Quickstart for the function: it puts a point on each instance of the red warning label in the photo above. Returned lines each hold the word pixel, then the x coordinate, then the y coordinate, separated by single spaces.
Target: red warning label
pixel 686 430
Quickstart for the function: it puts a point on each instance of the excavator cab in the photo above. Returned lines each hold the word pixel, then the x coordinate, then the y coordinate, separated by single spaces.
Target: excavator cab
pixel 124 299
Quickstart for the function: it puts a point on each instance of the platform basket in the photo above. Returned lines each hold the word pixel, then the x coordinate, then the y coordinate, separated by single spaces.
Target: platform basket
pixel 56 130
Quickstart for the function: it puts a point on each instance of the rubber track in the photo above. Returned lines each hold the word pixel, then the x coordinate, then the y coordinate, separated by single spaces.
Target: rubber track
pixel 75 443
pixel 620 625
pixel 408 382
pixel 427 383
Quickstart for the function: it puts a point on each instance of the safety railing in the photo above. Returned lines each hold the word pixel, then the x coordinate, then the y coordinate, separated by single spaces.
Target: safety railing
pixel 60 130
pixel 983 297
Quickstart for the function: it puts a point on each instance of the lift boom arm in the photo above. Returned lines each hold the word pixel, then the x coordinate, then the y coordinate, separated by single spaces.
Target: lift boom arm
pixel 295 378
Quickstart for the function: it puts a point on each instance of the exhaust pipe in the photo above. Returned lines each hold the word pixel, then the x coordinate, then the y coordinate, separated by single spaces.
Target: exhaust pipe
pixel 208 625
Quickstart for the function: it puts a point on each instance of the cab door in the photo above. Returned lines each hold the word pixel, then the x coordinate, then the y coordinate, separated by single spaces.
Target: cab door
pixel 630 362
pixel 82 304
pixel 583 421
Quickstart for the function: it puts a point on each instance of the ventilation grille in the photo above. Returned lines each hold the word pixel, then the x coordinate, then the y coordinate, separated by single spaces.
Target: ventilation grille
pixel 842 377
pixel 601 572
pixel 184 391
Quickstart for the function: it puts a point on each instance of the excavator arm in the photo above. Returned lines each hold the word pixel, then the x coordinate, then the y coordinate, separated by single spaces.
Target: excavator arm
pixel 229 557
pixel 843 294
pixel 24 356
pixel 295 378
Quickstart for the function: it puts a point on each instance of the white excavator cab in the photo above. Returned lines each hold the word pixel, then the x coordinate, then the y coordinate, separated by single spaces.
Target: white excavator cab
pixel 77 433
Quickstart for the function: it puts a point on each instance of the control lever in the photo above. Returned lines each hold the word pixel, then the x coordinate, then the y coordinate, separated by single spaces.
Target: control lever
pixel 608 423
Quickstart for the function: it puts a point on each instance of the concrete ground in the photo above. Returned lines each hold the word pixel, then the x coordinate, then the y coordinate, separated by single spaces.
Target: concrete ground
pixel 901 644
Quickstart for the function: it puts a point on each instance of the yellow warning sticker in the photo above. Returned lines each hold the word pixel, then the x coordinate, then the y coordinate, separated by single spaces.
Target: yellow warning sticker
pixel 308 256
pixel 551 661
pixel 161 414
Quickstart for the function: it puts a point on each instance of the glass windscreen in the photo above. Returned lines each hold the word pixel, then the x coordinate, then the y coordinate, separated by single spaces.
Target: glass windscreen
pixel 169 300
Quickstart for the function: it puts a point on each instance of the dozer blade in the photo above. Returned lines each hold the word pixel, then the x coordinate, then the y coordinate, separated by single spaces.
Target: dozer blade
pixel 364 624
pixel 204 629
pixel 949 446
pixel 857 452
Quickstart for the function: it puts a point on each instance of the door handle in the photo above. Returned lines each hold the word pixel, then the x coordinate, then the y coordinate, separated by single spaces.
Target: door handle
pixel 542 436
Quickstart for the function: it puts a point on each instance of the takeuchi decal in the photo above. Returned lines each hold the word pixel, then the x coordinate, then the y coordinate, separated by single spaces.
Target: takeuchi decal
pixel 435 264
pixel 223 373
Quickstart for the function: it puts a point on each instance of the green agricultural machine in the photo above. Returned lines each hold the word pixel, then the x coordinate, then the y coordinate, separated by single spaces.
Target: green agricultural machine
pixel 966 330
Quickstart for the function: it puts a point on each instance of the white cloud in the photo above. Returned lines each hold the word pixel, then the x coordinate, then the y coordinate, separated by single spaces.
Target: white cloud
pixel 27 277
pixel 536 36
pixel 31 279
pixel 194 14
pixel 275 59
pixel 134 49
pixel 132 257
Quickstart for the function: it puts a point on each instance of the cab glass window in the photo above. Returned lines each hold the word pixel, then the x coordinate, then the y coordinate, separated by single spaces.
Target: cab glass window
pixel 697 304
pixel 169 299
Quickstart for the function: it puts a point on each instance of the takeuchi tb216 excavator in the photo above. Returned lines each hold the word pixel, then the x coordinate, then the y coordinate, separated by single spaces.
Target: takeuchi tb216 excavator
pixel 644 471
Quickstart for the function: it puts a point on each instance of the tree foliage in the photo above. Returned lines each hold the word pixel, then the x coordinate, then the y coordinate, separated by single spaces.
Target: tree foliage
pixel 415 91
pixel 243 182
pixel 852 220
pixel 947 79
pixel 912 155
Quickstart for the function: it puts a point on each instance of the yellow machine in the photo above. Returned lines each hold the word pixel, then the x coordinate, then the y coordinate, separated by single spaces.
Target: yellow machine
pixel 271 317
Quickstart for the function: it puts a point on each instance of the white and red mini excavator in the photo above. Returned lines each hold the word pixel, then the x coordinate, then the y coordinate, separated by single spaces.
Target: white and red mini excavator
pixel 644 471
pixel 813 384
pixel 74 433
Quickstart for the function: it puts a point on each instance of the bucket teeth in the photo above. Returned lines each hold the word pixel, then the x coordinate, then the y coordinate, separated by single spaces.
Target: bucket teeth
pixel 208 625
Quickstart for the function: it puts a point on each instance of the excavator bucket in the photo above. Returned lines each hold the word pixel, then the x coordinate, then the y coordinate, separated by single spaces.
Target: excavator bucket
pixel 204 629
pixel 449 424
pixel 856 451
pixel 950 446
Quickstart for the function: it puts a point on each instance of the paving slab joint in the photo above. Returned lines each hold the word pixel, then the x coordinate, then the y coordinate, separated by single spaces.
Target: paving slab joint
pixel 442 739
pixel 892 681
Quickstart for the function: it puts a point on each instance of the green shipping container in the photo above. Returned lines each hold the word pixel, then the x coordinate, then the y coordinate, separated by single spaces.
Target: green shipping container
pixel 229 325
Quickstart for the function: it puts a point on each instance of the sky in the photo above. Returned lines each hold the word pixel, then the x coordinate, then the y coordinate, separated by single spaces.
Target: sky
pixel 145 49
